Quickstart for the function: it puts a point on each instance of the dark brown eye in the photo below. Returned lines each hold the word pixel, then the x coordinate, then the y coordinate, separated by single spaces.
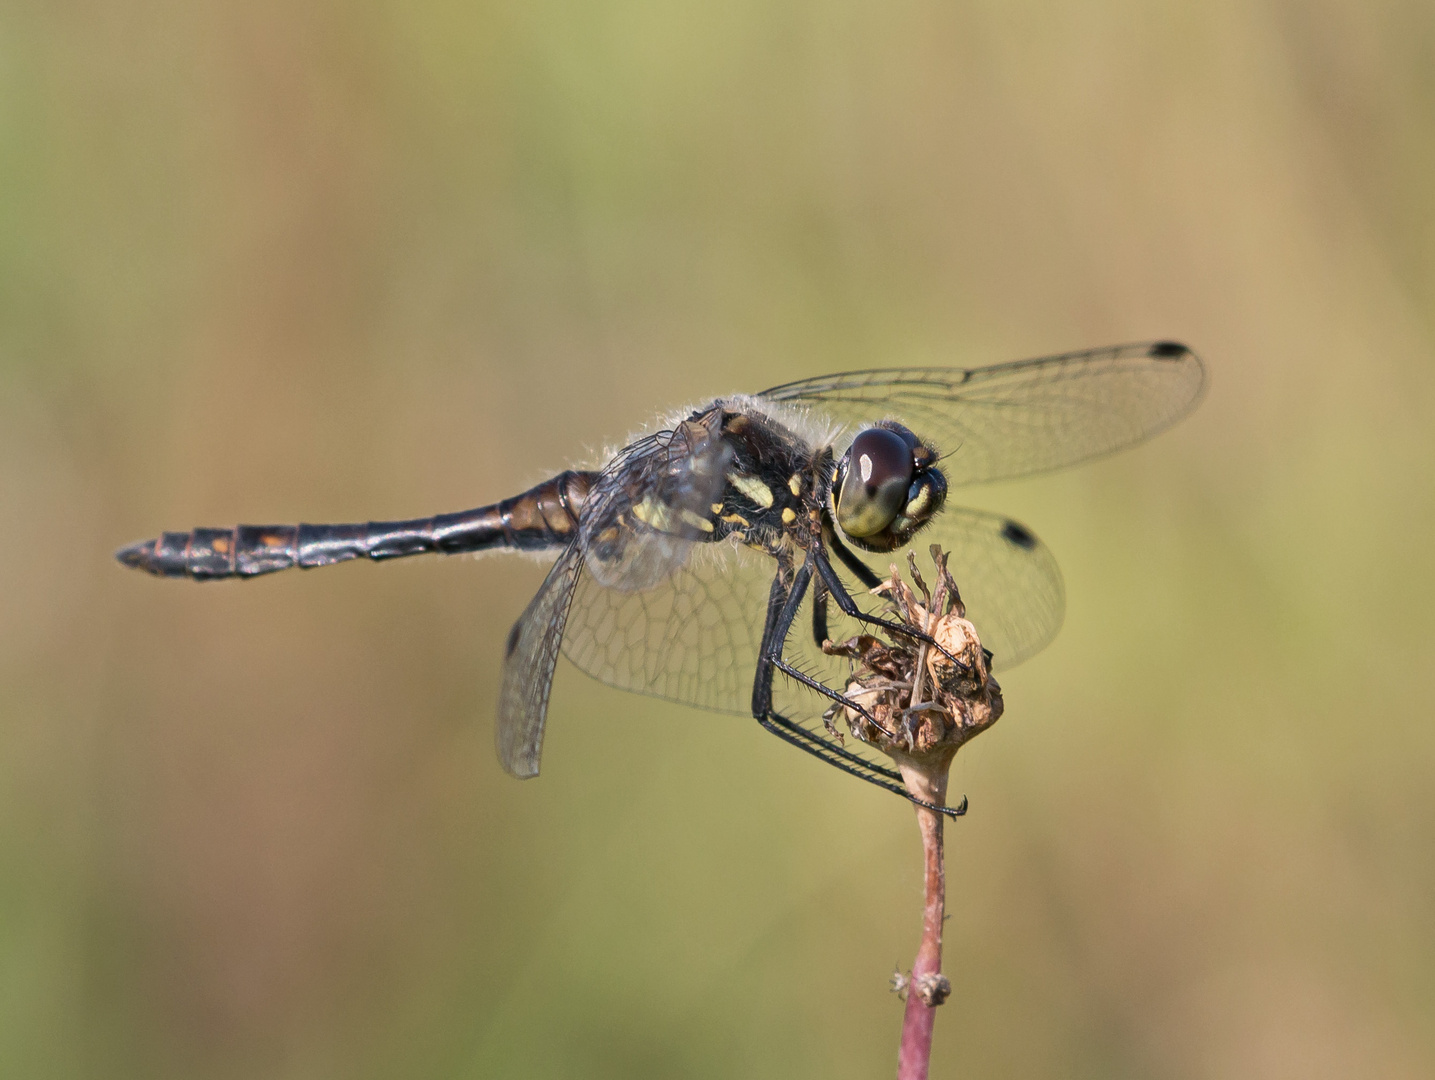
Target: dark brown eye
pixel 874 487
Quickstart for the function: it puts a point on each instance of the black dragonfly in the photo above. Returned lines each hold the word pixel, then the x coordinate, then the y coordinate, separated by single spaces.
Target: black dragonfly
pixel 684 563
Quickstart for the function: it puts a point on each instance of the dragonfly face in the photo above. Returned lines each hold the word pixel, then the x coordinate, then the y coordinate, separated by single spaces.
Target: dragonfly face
pixel 685 564
pixel 886 488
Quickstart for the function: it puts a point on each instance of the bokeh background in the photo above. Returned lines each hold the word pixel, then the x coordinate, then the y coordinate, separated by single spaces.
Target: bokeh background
pixel 272 262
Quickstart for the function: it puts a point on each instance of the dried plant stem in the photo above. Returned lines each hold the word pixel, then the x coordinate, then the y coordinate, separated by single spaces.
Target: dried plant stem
pixel 928 988
pixel 921 735
pixel 927 779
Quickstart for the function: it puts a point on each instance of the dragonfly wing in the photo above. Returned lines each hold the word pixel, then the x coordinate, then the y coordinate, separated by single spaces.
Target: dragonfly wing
pixel 651 502
pixel 692 636
pixel 994 423
pixel 528 665
pixel 659 608
pixel 1009 581
pixel 637 525
pixel 1008 578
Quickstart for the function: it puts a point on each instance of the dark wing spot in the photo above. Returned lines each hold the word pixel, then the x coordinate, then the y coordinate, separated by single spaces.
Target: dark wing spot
pixel 1167 350
pixel 512 640
pixel 1019 535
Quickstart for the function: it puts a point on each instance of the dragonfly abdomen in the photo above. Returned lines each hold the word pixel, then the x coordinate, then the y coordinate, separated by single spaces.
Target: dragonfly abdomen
pixel 545 516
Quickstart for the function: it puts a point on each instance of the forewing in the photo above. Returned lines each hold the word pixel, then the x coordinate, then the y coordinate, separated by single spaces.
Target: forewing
pixel 1025 417
pixel 528 667
pixel 652 501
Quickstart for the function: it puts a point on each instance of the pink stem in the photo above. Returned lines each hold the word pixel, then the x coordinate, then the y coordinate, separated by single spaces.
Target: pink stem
pixel 916 1051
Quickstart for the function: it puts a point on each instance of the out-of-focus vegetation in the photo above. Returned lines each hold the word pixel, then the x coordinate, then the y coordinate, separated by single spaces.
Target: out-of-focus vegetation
pixel 263 262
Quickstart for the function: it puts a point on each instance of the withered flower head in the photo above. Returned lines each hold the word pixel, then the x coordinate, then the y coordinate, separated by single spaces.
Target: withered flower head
pixel 921 702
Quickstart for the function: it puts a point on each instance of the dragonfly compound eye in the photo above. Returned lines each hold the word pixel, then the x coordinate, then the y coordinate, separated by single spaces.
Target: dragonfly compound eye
pixel 875 482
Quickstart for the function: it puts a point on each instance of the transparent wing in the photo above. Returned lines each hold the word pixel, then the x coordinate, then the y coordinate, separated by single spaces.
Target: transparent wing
pixel 657 608
pixel 528 667
pixel 1009 582
pixel 1008 578
pixel 694 636
pixel 1023 417
pixel 651 502
pixel 691 637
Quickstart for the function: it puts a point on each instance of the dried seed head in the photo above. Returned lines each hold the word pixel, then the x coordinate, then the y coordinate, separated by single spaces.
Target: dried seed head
pixel 921 701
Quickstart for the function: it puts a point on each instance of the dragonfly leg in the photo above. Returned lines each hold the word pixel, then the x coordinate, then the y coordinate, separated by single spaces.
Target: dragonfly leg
pixel 800 676
pixel 783 600
pixel 782 604
pixel 850 763
pixel 819 613
pixel 860 570
pixel 851 610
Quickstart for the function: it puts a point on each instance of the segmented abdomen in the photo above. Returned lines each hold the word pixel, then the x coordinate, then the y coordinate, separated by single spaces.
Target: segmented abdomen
pixel 545 516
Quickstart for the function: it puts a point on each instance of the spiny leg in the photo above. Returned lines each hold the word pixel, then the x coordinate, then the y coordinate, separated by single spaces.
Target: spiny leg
pixel 819 613
pixel 832 754
pixel 800 676
pixel 820 748
pixel 860 570
pixel 782 606
pixel 783 601
pixel 852 611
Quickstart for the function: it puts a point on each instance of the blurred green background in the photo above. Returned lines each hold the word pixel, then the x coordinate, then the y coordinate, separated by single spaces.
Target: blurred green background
pixel 382 259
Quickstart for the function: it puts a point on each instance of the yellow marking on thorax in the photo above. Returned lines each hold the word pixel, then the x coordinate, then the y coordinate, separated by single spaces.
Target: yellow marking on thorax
pixel 697 521
pixel 658 515
pixel 654 514
pixel 794 484
pixel 788 515
pixel 752 487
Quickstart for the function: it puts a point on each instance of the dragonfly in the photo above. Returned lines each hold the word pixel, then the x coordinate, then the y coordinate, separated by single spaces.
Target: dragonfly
pixel 686 563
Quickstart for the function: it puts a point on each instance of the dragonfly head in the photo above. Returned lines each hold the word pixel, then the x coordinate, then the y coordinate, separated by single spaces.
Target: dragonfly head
pixel 887 487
